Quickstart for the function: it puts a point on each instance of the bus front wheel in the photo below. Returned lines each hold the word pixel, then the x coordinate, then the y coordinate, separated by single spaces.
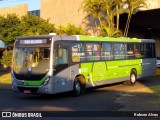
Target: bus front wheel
pixel 133 77
pixel 78 87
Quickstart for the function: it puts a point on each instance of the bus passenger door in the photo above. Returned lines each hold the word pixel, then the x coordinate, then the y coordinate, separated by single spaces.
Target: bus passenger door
pixel 61 70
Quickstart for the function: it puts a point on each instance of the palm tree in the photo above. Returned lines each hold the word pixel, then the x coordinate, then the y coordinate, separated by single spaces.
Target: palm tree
pixel 111 8
pixel 133 7
pixel 104 11
pixel 93 7
pixel 107 6
pixel 70 29
pixel 107 31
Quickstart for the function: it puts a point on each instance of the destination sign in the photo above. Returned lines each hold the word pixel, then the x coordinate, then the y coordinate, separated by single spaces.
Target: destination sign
pixel 33 41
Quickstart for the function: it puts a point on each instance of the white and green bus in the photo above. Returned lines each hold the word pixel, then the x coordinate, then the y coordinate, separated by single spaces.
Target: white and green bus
pixel 53 64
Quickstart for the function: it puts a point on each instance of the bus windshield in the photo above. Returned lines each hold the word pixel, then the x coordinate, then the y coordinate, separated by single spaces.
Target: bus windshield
pixel 31 60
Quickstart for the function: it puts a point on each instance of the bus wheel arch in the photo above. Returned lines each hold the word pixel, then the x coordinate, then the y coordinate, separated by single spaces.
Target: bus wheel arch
pixel 133 77
pixel 79 85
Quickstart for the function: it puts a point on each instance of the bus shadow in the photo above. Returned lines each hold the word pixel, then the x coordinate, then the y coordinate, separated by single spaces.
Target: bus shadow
pixel 94 100
pixel 64 95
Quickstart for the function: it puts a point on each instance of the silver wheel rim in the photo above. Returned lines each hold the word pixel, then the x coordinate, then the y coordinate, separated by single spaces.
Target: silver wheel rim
pixel 78 88
pixel 133 78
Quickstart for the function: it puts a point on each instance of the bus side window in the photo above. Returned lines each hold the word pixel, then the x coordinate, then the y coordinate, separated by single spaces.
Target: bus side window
pixel 130 51
pixel 137 51
pixel 148 50
pixel 93 51
pixel 119 50
pixel 78 53
pixel 106 52
pixel 61 59
pixel 89 51
pixel 96 51
pixel 116 51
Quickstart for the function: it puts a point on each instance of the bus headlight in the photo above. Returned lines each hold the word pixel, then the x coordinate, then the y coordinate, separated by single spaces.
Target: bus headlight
pixel 46 81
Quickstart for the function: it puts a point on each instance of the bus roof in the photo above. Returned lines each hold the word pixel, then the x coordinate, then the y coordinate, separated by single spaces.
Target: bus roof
pixel 109 39
pixel 88 38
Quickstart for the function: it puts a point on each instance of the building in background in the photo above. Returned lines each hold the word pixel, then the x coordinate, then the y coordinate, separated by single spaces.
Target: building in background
pixel 20 10
pixel 152 4
pixel 34 12
pixel 61 12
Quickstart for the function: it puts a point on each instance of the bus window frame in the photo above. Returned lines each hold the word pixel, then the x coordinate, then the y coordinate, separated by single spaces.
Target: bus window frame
pixel 112 51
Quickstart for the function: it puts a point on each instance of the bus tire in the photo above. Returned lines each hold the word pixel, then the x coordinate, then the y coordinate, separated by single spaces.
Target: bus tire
pixel 133 77
pixel 78 86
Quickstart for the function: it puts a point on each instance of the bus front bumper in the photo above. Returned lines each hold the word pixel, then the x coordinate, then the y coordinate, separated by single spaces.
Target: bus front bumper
pixel 32 89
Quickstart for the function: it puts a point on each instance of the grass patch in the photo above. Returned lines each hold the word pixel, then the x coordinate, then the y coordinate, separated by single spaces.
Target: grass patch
pixel 5 81
pixel 156 91
pixel 154 101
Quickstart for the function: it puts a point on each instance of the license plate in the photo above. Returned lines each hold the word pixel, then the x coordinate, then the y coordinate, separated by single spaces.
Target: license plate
pixel 27 91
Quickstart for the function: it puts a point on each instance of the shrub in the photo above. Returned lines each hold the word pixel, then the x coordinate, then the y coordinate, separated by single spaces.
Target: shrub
pixel 7 58
pixel 70 29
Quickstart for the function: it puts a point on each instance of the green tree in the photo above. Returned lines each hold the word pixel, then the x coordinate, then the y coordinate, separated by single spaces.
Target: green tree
pixel 93 7
pixel 9 30
pixel 70 29
pixel 34 25
pixel 132 8
pixel 104 11
pixel 12 27
pixel 107 31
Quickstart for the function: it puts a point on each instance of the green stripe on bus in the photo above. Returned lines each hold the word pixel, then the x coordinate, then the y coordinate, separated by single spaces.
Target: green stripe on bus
pixel 34 82
pixel 95 71
pixel 90 38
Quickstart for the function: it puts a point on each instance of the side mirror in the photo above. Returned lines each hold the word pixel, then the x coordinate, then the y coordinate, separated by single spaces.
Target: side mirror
pixel 60 52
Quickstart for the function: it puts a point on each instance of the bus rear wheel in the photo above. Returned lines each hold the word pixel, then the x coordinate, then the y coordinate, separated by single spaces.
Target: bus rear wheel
pixel 133 77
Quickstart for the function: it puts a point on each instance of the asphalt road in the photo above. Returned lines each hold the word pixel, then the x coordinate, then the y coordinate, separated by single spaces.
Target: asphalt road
pixel 99 99
pixel 93 100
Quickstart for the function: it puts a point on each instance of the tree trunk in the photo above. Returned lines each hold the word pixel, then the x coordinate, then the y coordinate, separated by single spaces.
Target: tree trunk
pixel 129 20
pixel 112 22
pixel 117 18
pixel 128 25
pixel 100 22
pixel 108 19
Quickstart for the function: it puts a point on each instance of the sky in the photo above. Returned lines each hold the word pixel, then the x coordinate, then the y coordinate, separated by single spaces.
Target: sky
pixel 32 4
